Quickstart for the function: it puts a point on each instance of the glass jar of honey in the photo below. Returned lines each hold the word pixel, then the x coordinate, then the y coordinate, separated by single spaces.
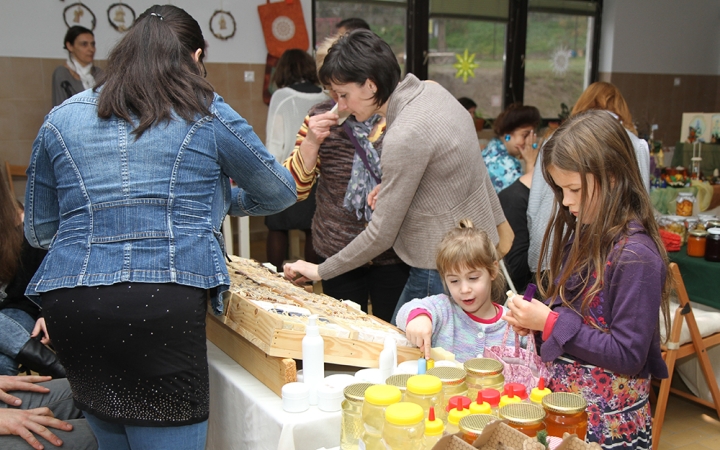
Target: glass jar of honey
pixel 453 383
pixel 426 391
pixel 712 245
pixel 400 381
pixel 404 427
pixel 483 373
pixel 565 413
pixel 377 398
pixel 471 426
pixel 524 417
pixel 696 243
pixel 351 424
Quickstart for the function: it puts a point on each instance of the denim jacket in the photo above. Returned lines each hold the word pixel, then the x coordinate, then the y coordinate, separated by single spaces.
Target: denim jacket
pixel 112 208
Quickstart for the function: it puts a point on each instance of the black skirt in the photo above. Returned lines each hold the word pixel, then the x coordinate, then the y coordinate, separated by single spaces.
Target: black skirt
pixel 135 353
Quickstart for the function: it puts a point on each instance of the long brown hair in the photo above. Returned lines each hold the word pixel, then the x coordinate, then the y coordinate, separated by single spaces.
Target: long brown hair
pixel 11 237
pixel 467 247
pixel 594 143
pixel 151 73
pixel 295 66
pixel 602 95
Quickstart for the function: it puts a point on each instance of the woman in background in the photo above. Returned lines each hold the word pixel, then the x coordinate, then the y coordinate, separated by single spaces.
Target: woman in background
pixel 514 140
pixel 78 73
pixel 131 212
pixel 600 96
pixel 296 78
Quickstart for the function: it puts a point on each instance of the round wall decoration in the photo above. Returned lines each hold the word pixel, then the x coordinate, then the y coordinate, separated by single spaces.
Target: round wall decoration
pixel 283 28
pixel 79 14
pixel 120 16
pixel 222 25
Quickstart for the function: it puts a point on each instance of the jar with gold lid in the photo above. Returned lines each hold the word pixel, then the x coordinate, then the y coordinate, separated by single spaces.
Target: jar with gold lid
pixel 400 381
pixel 696 243
pixel 524 417
pixel 483 373
pixel 453 384
pixel 351 425
pixel 471 426
pixel 565 413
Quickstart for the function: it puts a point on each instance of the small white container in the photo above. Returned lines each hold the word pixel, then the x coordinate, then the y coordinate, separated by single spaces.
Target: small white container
pixel 295 397
pixel 330 398
pixel 369 376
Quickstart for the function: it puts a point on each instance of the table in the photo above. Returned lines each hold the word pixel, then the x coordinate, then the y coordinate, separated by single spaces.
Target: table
pixel 702 278
pixel 245 414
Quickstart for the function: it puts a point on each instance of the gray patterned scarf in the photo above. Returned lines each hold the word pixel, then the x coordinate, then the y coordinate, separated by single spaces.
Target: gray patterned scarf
pixel 362 181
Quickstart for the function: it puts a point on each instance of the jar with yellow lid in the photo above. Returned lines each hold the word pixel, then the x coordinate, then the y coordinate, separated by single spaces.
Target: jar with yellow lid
pixel 434 429
pixel 483 373
pixel 453 418
pixel 426 391
pixel 351 425
pixel 377 398
pixel 524 417
pixel 565 412
pixel 453 383
pixel 404 427
pixel 539 392
pixel 471 426
pixel 400 381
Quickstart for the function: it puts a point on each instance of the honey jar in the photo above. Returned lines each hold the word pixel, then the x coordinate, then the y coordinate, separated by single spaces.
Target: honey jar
pixel 696 243
pixel 524 417
pixel 400 381
pixel 483 373
pixel 565 413
pixel 453 383
pixel 471 426
pixel 351 424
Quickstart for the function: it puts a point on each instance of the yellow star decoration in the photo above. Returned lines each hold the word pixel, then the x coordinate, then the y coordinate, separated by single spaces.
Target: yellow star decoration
pixel 465 66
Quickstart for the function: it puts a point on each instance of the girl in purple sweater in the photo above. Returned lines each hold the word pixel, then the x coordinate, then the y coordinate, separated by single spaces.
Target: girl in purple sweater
pixel 606 284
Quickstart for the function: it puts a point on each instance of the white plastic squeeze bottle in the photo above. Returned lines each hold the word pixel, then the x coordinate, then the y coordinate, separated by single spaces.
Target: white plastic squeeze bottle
pixel 313 356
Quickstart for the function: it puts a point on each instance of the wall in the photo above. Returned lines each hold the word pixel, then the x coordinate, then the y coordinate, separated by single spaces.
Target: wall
pixel 650 45
pixel 31 34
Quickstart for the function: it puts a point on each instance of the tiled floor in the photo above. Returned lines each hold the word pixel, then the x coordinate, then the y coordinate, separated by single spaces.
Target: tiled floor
pixel 689 426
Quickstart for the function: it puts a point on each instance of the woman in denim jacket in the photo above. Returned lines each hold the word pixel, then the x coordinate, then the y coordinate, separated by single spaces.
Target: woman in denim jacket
pixel 128 187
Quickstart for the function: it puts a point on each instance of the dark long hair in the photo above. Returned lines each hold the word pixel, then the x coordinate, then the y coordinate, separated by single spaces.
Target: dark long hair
pixel 11 237
pixel 594 143
pixel 151 73
pixel 72 34
pixel 359 56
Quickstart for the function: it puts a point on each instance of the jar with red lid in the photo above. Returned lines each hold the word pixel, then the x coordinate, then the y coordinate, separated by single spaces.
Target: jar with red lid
pixel 696 243
pixel 565 413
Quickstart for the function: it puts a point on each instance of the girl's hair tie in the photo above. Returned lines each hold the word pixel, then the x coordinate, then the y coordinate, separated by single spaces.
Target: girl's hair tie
pixel 156 15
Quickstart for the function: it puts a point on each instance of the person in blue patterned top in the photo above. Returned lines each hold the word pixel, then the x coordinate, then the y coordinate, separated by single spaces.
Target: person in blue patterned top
pixel 514 139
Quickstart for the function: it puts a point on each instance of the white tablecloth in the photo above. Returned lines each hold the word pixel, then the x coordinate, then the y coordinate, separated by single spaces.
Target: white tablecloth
pixel 245 414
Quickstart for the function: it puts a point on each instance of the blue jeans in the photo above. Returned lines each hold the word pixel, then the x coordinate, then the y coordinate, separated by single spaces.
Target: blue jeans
pixel 15 328
pixel 115 436
pixel 421 283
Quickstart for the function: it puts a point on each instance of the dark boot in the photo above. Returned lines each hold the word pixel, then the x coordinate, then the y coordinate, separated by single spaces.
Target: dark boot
pixel 38 358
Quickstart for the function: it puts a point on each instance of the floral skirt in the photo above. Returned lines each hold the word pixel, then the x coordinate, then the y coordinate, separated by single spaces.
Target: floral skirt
pixel 618 407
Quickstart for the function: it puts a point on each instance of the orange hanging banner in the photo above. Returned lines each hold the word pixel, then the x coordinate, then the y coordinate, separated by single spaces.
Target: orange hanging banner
pixel 283 26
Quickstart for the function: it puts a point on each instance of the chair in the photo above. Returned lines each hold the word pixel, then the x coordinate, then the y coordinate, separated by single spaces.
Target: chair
pixel 14 171
pixel 673 350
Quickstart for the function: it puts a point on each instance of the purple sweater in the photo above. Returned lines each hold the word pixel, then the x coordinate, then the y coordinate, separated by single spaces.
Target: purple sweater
pixel 628 308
